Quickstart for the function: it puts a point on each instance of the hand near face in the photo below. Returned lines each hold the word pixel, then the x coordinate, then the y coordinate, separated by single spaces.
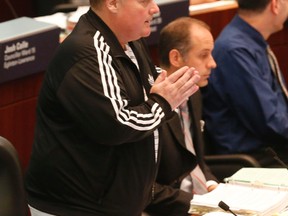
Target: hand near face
pixel 177 87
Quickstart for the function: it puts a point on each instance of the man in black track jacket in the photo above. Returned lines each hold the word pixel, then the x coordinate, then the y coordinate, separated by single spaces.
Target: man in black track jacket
pixel 99 117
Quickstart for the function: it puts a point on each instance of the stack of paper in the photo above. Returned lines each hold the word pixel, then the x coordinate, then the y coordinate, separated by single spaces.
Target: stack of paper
pixel 250 191
pixel 274 177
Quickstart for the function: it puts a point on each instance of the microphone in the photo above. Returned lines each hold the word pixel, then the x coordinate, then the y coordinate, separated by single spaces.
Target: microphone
pixel 225 207
pixel 275 156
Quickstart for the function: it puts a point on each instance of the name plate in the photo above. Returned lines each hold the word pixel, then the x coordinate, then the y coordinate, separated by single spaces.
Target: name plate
pixel 26 47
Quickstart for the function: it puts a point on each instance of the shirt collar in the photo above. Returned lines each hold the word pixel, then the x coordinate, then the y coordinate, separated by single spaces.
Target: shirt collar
pixel 250 31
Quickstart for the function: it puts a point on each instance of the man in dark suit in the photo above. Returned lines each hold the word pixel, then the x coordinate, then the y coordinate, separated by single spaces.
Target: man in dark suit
pixel 178 160
pixel 186 41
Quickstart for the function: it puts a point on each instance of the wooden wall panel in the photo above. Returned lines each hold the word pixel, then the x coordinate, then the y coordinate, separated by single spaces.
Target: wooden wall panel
pixel 17 113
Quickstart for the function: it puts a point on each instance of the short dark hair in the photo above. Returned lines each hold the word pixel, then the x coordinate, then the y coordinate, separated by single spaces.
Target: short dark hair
pixel 253 5
pixel 176 35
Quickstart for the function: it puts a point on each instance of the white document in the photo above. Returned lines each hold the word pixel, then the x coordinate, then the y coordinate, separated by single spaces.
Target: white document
pixel 242 199
pixel 274 177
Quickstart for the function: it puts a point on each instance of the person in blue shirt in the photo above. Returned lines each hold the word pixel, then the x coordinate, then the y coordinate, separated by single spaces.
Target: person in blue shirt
pixel 245 108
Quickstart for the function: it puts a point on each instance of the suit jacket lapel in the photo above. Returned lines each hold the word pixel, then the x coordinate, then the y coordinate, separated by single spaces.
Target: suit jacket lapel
pixel 195 110
pixel 175 127
pixel 174 124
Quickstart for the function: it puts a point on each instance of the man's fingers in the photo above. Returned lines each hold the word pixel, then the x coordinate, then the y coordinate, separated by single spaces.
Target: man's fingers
pixel 174 77
pixel 187 80
pixel 178 86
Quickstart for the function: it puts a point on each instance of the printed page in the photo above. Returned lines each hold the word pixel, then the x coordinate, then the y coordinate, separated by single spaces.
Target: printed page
pixel 244 200
pixel 277 177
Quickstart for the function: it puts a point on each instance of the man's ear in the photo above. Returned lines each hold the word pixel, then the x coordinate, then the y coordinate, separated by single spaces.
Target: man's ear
pixel 275 4
pixel 175 58
pixel 112 5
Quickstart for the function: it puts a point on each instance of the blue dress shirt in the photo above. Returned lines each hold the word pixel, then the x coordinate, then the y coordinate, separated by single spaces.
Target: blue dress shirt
pixel 244 107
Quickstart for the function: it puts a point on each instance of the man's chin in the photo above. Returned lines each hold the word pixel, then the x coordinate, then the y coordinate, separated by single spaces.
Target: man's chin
pixel 146 34
pixel 202 83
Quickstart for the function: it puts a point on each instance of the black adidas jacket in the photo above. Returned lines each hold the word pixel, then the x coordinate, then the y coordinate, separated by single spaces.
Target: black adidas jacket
pixel 94 148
